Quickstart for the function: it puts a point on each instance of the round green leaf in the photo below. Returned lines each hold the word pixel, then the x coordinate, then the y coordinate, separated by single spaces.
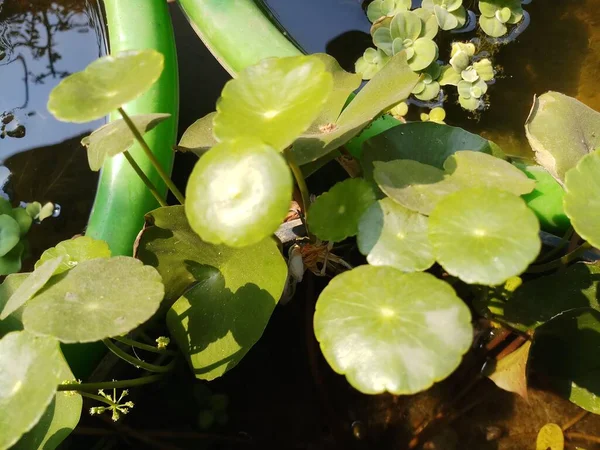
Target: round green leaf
pixel 382 38
pixel 426 52
pixel 406 25
pixel 484 69
pixel 105 85
pixel 58 421
pixel 446 20
pixel 34 282
pixel 449 76
pixel 8 287
pixel 30 369
pixel 11 262
pixel 10 234
pixel 389 331
pixel 391 235
pixel 23 219
pixel 492 26
pixel 74 251
pixel 116 137
pixel 582 197
pixel 238 193
pixel 274 100
pixel 503 15
pixel 334 215
pixel 98 298
pixel 429 92
pixel 483 235
pixel 416 186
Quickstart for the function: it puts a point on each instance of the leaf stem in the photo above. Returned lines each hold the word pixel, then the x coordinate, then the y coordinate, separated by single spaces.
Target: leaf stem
pixel 136 362
pixel 165 177
pixel 564 242
pixel 582 436
pixel 123 384
pixel 300 181
pixel 140 173
pixel 568 258
pixel 142 346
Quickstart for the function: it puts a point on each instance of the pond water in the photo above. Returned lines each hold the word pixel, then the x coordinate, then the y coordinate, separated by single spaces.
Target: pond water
pixel 560 50
pixel 41 42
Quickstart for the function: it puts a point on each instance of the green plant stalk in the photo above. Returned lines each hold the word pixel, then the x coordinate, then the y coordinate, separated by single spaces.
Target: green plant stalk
pixel 144 145
pixel 123 384
pixel 556 250
pixel 136 362
pixel 142 346
pixel 161 201
pixel 568 258
pixel 98 398
pixel 300 181
pixel 122 199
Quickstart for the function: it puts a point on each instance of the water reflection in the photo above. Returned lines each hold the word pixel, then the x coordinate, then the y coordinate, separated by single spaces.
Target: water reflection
pixel 41 42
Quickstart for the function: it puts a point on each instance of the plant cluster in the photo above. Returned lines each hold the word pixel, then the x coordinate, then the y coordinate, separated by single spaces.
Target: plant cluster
pixel 398 28
pixel 438 214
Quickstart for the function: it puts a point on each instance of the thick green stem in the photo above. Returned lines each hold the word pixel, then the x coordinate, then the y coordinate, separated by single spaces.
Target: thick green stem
pixel 142 346
pixel 568 258
pixel 123 384
pixel 138 136
pixel 134 361
pixel 300 181
pixel 161 201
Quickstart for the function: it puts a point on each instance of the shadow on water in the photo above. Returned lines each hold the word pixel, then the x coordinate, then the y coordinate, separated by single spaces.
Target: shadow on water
pixel 41 42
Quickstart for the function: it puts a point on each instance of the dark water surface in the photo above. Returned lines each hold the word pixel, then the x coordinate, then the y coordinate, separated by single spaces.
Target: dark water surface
pixel 41 42
pixel 560 50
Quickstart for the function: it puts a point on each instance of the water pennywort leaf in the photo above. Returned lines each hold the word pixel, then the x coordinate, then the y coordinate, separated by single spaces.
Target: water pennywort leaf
pixel 30 369
pixel 274 100
pixel 238 193
pixel 391 235
pixel 390 331
pixel 105 85
pixel 98 298
pixel 116 137
pixel 484 236
pixel 334 215
pixel 74 251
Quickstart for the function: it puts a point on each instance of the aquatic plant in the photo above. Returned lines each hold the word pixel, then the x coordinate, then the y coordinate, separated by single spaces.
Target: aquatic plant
pixel 386 8
pixel 449 14
pixel 211 271
pixel 497 14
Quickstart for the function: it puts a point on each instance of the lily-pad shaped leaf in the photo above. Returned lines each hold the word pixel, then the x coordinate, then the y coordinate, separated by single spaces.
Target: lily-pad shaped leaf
pixel 34 282
pixel 30 369
pixel 118 294
pixel 10 234
pixel 105 85
pixel 483 235
pixel 11 262
pixel 426 142
pixel 391 235
pixel 510 373
pixel 390 331
pixel 561 130
pixel 334 215
pixel 415 186
pixel 582 198
pixel 116 137
pixel 381 8
pixel 537 301
pixel 236 289
pixel 565 350
pixel 391 85
pixel 274 101
pixel 238 193
pixel 550 437
pixel 199 138
pixel 492 26
pixel 74 251
pixel 58 421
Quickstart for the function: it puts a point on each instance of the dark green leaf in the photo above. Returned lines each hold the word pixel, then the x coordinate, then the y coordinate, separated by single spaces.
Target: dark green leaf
pixel 199 138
